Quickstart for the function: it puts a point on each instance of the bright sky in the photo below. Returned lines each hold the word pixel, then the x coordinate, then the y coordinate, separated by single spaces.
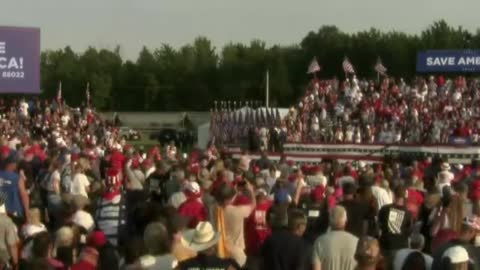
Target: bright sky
pixel 135 23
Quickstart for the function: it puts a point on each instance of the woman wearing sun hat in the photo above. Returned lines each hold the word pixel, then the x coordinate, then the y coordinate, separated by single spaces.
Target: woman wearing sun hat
pixel 204 239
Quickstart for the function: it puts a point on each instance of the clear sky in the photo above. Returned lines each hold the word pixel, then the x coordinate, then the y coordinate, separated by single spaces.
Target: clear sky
pixel 135 23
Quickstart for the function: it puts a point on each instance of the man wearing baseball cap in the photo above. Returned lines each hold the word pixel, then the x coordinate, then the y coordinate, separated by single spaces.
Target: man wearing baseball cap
pixel 470 229
pixel 111 214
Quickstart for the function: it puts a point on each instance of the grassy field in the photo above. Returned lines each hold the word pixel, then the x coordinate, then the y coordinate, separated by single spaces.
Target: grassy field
pixel 145 142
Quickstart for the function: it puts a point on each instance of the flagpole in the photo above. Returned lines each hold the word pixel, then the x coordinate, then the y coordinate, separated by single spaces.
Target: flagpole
pixel 59 96
pixel 267 90
pixel 88 95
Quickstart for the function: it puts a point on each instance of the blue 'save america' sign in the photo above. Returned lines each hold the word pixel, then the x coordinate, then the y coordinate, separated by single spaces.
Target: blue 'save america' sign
pixel 448 61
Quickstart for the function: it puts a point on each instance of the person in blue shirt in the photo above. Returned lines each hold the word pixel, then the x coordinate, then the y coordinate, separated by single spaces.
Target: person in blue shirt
pixel 13 184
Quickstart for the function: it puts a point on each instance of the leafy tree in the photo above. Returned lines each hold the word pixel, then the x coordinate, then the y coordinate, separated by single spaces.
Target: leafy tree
pixel 193 76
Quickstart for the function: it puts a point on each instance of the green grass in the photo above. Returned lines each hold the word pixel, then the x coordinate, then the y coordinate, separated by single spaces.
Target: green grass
pixel 145 142
pixel 148 144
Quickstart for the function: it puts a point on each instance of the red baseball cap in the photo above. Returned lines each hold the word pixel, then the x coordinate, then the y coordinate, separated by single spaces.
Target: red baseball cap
pixel 97 239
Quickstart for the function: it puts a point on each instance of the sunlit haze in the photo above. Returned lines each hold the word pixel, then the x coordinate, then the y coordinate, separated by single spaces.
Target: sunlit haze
pixel 133 24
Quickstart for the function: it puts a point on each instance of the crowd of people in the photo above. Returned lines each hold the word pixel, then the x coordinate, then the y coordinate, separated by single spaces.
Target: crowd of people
pixel 435 110
pixel 75 195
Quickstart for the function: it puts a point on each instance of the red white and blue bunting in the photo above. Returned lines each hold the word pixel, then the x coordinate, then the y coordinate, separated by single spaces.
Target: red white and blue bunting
pixel 372 153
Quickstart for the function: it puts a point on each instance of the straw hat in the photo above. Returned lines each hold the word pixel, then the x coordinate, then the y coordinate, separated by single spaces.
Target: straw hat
pixel 445 166
pixel 201 238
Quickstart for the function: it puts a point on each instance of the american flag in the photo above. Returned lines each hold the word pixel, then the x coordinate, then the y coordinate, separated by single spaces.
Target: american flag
pixel 314 66
pixel 347 66
pixel 59 97
pixel 278 118
pixel 380 68
pixel 213 123
pixel 235 117
pixel 272 117
pixel 87 94
pixel 224 134
pixel 268 117
pixel 251 117
pixel 263 120
pixel 244 122
pixel 229 126
pixel 246 117
pixel 59 93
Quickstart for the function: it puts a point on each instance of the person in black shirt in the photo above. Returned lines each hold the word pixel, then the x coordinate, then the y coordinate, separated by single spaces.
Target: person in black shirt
pixel 358 212
pixel 204 239
pixel 316 212
pixel 264 163
pixel 285 247
pixel 155 183
pixel 395 223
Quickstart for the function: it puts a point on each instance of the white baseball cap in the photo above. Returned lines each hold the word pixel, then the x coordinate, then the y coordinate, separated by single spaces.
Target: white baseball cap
pixel 456 254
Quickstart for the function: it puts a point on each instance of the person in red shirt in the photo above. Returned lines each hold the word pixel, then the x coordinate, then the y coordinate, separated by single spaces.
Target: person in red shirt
pixel 474 195
pixel 91 257
pixel 117 160
pixel 155 153
pixel 257 229
pixel 193 208
pixel 462 130
pixel 243 196
pixel 219 181
pixel 415 198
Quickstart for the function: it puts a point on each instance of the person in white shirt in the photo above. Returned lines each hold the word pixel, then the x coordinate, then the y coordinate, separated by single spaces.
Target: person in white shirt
pixel 382 194
pixel 23 108
pixel 80 183
pixel 444 177
pixel 65 119
pixel 13 142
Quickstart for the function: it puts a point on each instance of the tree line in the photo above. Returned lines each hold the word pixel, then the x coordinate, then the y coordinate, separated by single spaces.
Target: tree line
pixel 194 76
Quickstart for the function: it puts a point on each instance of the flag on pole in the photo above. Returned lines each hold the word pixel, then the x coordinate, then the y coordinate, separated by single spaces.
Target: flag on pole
pixel 59 93
pixel 224 127
pixel 246 121
pixel 347 66
pixel 379 67
pixel 59 96
pixel 213 124
pixel 87 94
pixel 272 117
pixel 262 119
pixel 314 66
pixel 268 116
pixel 278 118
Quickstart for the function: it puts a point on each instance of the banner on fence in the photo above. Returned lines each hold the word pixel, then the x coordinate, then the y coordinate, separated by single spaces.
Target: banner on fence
pixel 315 153
pixel 19 60
pixel 448 61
